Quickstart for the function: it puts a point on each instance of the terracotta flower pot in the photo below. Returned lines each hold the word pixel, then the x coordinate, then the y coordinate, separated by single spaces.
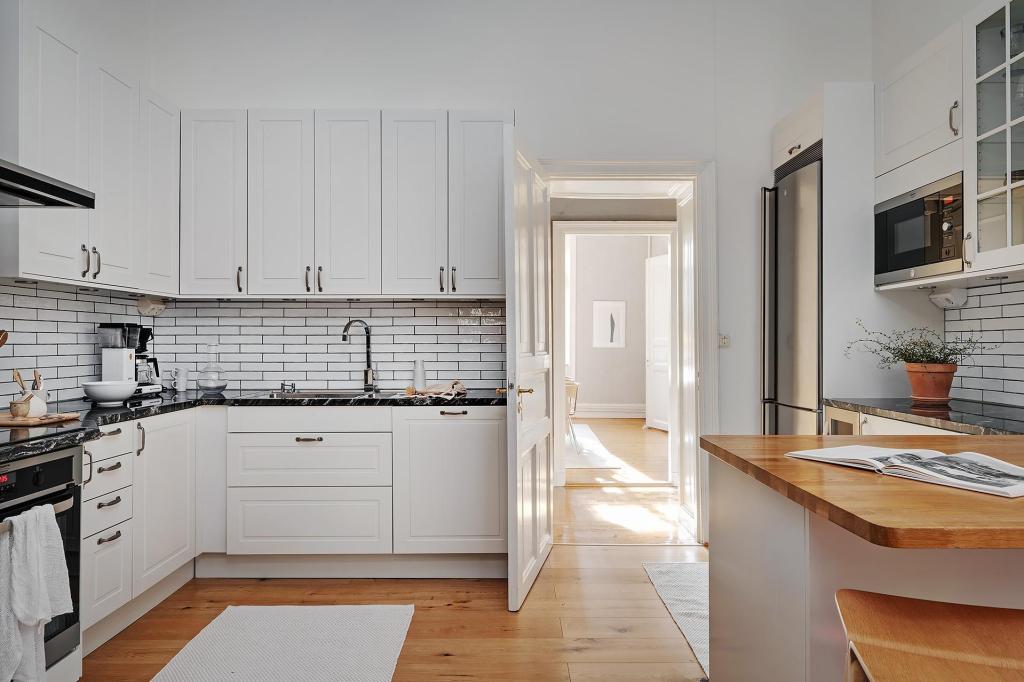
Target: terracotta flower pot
pixel 930 383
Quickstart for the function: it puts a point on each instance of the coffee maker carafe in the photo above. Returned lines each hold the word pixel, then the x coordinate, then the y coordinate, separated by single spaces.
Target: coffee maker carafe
pixel 147 369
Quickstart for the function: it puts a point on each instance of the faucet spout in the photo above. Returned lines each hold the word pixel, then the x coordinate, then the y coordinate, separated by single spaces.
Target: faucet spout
pixel 369 380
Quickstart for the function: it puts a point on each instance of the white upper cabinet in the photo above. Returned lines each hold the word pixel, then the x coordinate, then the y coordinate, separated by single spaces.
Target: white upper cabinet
pixel 918 105
pixel 213 202
pixel 281 201
pixel 112 227
pixel 476 203
pixel 157 255
pixel 799 130
pixel 348 202
pixel 414 234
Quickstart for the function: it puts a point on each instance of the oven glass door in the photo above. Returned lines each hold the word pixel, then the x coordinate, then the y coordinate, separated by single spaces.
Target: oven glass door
pixel 909 235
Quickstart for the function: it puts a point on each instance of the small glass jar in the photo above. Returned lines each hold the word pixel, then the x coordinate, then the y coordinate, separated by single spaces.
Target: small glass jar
pixel 212 378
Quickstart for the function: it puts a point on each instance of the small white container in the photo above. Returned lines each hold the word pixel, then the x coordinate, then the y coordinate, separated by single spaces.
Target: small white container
pixel 419 376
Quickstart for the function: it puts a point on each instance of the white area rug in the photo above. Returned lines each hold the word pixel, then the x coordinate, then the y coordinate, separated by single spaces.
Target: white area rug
pixel 274 643
pixel 684 589
pixel 592 455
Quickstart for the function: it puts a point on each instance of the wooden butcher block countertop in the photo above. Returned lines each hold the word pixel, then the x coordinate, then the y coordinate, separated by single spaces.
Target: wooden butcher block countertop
pixel 885 510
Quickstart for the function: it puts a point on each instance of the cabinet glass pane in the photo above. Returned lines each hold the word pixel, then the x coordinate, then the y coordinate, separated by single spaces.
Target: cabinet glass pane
pixel 1017 216
pixel 992 223
pixel 992 162
pixel 992 102
pixel 1017 153
pixel 1016 27
pixel 1017 90
pixel 991 43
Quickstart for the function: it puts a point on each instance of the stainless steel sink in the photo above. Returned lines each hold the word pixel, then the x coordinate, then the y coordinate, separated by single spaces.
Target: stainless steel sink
pixel 304 394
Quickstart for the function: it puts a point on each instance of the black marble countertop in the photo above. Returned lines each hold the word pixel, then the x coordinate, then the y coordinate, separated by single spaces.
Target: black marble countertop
pixel 19 443
pixel 963 416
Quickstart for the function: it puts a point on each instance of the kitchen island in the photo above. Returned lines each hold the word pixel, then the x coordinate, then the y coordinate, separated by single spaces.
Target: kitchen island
pixel 786 534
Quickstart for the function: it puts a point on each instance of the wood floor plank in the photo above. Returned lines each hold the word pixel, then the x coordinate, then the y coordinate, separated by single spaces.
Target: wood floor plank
pixel 689 671
pixel 629 628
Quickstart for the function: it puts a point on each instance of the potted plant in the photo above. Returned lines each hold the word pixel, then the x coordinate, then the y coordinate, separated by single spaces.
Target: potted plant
pixel 930 360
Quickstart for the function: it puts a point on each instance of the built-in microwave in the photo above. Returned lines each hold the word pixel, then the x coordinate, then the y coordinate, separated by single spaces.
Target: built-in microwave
pixel 920 233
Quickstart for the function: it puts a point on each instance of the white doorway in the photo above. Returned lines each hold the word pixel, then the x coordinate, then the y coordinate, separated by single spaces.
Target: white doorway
pixel 658 340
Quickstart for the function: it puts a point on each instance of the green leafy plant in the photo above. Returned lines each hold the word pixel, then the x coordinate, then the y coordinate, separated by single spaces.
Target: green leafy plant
pixel 914 345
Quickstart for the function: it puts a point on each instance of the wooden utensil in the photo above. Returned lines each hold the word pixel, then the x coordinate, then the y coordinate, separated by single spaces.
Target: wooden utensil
pixel 3 337
pixel 37 380
pixel 19 380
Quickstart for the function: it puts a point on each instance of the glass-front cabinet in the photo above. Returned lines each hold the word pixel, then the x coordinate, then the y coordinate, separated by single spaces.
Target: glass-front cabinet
pixel 994 135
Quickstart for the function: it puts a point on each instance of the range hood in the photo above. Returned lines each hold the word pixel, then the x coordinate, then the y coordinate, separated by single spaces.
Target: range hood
pixel 23 188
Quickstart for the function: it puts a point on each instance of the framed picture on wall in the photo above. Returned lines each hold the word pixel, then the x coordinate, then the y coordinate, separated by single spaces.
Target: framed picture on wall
pixel 609 324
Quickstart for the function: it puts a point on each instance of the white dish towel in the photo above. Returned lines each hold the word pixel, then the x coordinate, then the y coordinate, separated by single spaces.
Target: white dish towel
pixel 35 588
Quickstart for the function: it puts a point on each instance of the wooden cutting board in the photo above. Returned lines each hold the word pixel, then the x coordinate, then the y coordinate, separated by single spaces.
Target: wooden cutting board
pixel 46 420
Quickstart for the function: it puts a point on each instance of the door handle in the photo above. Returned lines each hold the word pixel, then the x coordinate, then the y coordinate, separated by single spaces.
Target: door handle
pixel 320 278
pixel 115 432
pixel 142 446
pixel 99 262
pixel 113 537
pixel 116 500
pixel 88 261
pixel 238 279
pixel 501 391
pixel 440 278
pixel 953 108
pixel 89 455
pixel 306 439
pixel 794 148
pixel 521 391
pixel 461 413
pixel 453 279
pixel 308 268
pixel 112 467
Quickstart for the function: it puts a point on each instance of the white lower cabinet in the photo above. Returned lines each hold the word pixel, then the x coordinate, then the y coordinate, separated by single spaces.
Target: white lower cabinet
pixel 323 459
pixel 164 494
pixel 870 425
pixel 449 480
pixel 309 520
pixel 106 573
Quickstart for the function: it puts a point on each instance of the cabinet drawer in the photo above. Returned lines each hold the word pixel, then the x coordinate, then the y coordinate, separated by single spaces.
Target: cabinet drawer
pixel 117 439
pixel 309 521
pixel 106 578
pixel 105 511
pixel 308 459
pixel 882 426
pixel 356 419
pixel 106 476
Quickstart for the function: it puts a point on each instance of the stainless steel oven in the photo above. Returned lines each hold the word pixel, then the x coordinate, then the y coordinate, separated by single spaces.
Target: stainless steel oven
pixel 53 478
pixel 920 233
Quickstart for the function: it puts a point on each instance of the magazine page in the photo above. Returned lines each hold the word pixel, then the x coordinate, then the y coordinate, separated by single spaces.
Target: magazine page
pixel 968 470
pixel 861 456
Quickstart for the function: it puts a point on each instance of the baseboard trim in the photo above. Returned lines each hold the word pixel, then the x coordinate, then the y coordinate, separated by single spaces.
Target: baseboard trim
pixel 353 566
pixel 610 411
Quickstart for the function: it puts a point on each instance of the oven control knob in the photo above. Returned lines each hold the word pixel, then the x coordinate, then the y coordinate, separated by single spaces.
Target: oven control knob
pixel 947 226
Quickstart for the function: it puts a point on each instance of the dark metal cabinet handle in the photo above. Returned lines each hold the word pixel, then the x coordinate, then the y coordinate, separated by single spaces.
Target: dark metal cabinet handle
pixel 112 467
pixel 89 455
pixel 99 263
pixel 440 279
pixel 320 278
pixel 460 413
pixel 113 537
pixel 142 446
pixel 308 268
pixel 238 279
pixel 952 125
pixel 301 439
pixel 453 279
pixel 794 148
pixel 88 260
pixel 116 500
pixel 115 432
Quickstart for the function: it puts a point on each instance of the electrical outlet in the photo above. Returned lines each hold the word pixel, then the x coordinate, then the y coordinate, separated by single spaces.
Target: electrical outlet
pixel 724 341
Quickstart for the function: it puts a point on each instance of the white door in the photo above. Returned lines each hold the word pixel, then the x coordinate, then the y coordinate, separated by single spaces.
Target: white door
pixel 113 232
pixel 347 201
pixel 281 201
pixel 159 154
pixel 213 202
pixel 476 205
pixel 414 233
pixel 54 139
pixel 919 104
pixel 529 370
pixel 163 497
pixel 658 323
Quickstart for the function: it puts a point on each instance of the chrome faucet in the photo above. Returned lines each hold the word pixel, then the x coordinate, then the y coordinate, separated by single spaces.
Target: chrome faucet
pixel 369 381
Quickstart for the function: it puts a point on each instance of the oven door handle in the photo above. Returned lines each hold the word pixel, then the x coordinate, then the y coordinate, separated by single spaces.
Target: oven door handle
pixel 63 505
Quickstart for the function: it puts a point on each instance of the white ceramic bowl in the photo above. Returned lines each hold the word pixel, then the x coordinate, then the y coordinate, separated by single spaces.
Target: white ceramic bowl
pixel 109 393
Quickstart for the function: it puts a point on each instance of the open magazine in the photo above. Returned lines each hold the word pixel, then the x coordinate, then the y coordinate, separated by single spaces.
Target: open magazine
pixel 967 470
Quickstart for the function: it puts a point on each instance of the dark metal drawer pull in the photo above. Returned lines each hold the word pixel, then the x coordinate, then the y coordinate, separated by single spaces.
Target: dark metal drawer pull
pixel 112 467
pixel 301 439
pixel 113 537
pixel 115 432
pixel 461 413
pixel 116 500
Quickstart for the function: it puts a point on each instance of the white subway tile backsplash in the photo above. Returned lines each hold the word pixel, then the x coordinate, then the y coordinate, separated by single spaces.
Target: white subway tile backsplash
pixel 262 343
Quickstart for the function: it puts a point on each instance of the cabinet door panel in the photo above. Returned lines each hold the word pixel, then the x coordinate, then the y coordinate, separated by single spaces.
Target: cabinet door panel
pixel 300 459
pixel 348 257
pixel 880 426
pixel 213 202
pixel 159 154
pixel 476 221
pixel 414 234
pixel 106 573
pixel 112 229
pixel 449 480
pixel 280 201
pixel 164 497
pixel 54 141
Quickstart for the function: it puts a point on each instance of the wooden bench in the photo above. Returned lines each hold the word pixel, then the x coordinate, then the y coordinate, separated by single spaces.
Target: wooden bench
pixel 898 638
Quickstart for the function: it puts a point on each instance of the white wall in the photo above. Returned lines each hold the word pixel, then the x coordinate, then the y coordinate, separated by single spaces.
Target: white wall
pixel 610 268
pixel 901 27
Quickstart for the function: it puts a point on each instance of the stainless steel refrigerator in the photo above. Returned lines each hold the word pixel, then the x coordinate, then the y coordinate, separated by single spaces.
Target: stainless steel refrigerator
pixel 791 305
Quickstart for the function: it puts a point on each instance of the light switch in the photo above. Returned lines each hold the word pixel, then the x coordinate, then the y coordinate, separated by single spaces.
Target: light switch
pixel 724 341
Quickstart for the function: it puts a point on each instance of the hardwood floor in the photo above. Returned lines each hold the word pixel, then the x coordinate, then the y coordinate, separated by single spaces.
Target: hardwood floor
pixel 643 452
pixel 592 616
pixel 620 516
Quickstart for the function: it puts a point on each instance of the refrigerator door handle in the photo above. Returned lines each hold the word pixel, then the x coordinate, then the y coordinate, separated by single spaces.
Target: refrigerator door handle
pixel 768 294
